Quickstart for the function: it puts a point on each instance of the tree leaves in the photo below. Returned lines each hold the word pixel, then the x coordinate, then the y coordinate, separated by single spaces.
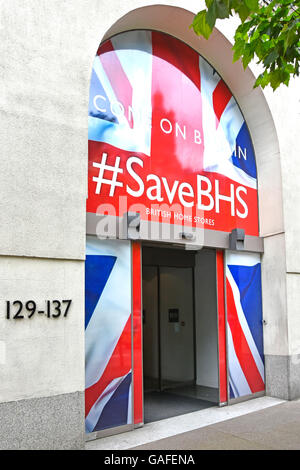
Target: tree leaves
pixel 205 20
pixel 216 9
pixel 252 4
pixel 243 11
pixel 269 31
pixel 201 26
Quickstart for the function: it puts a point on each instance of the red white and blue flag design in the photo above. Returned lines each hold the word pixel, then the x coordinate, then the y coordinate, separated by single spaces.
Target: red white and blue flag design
pixel 155 98
pixel 108 369
pixel 244 324
pixel 158 104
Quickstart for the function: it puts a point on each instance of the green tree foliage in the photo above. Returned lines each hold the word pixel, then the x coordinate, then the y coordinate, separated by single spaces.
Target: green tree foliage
pixel 269 30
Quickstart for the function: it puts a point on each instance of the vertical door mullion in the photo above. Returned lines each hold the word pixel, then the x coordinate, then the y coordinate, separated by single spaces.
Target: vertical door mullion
pixel 194 325
pixel 159 331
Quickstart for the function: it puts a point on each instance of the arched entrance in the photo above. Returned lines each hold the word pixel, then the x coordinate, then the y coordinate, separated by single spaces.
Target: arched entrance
pixel 170 163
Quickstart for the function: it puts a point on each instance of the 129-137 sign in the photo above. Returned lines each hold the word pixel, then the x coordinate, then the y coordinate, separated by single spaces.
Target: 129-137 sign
pixel 18 310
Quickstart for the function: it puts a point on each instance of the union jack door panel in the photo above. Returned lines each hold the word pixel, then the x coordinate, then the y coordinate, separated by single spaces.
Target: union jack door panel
pixel 244 324
pixel 108 334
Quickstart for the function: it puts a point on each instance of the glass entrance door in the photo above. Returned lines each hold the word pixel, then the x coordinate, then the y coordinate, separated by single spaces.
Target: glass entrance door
pixel 180 336
pixel 168 327
pixel 176 316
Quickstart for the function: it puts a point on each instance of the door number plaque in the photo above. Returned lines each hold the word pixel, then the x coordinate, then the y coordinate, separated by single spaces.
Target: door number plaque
pixel 17 310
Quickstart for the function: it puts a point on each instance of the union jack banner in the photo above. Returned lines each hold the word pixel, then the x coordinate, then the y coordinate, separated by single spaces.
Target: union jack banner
pixel 244 324
pixel 108 370
pixel 154 97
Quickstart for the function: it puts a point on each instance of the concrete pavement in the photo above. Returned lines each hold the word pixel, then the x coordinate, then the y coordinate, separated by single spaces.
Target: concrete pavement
pixel 276 427
pixel 261 423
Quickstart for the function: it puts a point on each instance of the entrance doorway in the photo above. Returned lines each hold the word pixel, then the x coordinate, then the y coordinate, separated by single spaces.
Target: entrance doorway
pixel 180 339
